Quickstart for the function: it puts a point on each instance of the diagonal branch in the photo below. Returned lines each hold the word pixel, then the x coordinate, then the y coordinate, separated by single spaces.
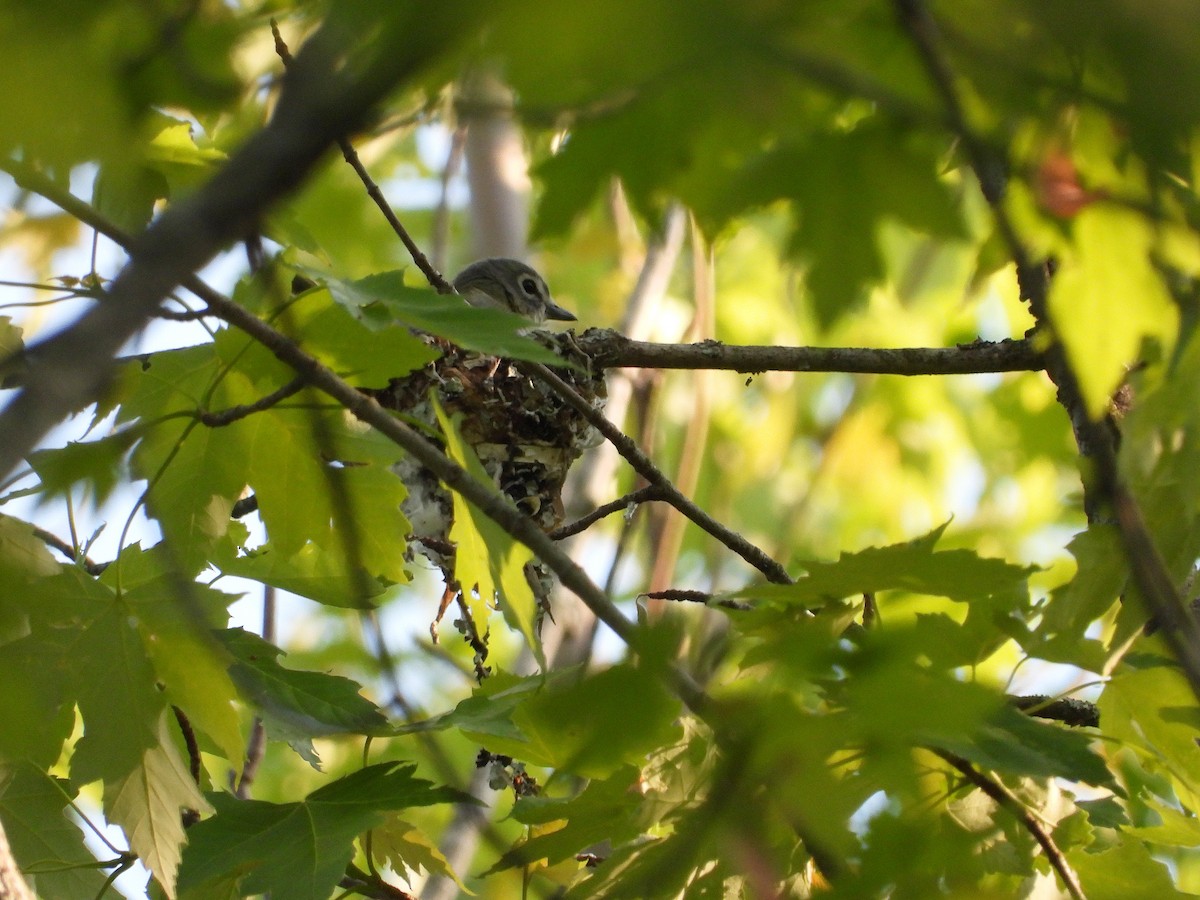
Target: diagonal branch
pixel 321 101
pixel 642 464
pixel 351 156
pixel 1007 801
pixel 621 504
pixel 1095 440
pixel 484 497
pixel 223 417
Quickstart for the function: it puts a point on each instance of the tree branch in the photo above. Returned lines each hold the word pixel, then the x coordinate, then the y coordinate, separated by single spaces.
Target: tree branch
pixel 621 504
pixel 53 540
pixel 611 349
pixel 224 417
pixel 321 100
pixel 1095 440
pixel 351 156
pixel 1007 801
pixel 1068 710
pixel 641 464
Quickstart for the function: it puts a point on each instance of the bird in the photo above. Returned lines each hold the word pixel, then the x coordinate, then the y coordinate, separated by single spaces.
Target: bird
pixel 501 283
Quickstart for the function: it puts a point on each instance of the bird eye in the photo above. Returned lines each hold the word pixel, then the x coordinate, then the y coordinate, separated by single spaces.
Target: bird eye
pixel 529 286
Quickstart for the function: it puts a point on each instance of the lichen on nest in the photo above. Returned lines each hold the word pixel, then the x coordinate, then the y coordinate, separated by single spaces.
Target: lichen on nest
pixel 523 432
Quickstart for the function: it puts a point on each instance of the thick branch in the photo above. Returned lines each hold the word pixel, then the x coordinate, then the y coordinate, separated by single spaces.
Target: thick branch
pixel 1095 440
pixel 487 499
pixel 1068 710
pixel 321 100
pixel 610 349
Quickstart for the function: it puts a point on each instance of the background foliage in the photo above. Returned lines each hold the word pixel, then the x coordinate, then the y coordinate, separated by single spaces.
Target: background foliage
pixel 858 173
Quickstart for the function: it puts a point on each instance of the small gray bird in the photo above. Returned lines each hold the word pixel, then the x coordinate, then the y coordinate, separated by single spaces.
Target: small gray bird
pixel 509 284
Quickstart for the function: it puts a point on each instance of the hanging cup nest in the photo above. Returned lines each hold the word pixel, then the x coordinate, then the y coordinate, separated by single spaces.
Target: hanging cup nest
pixel 524 434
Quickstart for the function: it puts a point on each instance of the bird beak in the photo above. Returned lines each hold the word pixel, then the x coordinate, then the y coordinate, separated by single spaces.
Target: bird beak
pixel 554 311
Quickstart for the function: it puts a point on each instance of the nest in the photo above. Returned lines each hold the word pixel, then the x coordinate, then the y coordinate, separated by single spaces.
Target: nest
pixel 524 434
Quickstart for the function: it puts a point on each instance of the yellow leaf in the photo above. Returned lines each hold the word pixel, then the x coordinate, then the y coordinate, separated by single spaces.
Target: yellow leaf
pixel 1106 298
pixel 487 557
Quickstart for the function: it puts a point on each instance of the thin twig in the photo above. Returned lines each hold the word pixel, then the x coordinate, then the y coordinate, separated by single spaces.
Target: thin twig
pixel 1003 798
pixel 232 414
pixel 373 191
pixel 53 540
pixel 621 504
pixel 641 464
pixel 189 817
pixel 368 885
pixel 176 315
pixel 256 746
pixel 685 596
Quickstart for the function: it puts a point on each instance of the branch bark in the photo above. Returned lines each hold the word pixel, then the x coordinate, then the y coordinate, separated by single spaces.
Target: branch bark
pixel 322 100
pixel 1095 440
pixel 1029 822
pixel 610 349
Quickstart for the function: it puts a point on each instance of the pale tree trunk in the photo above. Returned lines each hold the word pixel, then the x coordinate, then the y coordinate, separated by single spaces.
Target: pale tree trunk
pixel 497 168
pixel 498 177
pixel 12 884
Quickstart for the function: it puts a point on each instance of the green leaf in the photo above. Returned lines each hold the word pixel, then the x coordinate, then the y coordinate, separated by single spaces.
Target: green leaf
pixel 24 558
pixel 1154 708
pixel 1100 577
pixel 593 726
pixel 385 298
pixel 192 666
pixel 125 193
pixel 308 704
pixel 1105 812
pixel 37 706
pixel 363 356
pixel 1016 744
pixel 100 464
pixel 303 498
pixel 914 566
pixel 23 555
pixel 312 572
pixel 297 851
pixel 1175 828
pixel 170 381
pixel 1092 299
pixel 605 810
pixel 846 185
pixel 487 558
pixel 193 497
pixel 406 849
pixel 12 342
pixel 115 682
pixel 46 844
pixel 1124 872
pixel 147 803
pixel 490 708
